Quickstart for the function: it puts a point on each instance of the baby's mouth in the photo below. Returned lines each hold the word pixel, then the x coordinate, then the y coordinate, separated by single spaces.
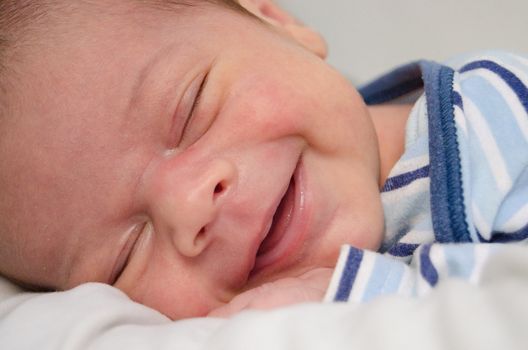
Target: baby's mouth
pixel 287 230
pixel 280 222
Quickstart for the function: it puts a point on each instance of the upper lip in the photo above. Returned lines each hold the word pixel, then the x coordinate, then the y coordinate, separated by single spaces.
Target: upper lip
pixel 271 212
pixel 275 207
pixel 276 214
pixel 267 224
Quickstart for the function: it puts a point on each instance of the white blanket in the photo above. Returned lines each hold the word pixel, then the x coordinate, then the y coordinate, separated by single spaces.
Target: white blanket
pixel 457 315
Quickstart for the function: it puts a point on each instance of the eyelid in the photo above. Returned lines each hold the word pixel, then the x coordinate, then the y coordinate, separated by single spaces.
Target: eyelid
pixel 184 110
pixel 194 107
pixel 126 253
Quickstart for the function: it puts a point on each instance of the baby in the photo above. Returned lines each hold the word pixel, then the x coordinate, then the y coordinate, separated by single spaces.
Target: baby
pixel 203 158
pixel 183 152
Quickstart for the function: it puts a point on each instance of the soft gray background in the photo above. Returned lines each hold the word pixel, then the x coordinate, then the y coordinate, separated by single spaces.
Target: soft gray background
pixel 367 37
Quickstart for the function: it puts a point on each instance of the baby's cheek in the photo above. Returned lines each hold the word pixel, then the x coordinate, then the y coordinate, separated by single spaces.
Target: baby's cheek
pixel 172 288
pixel 268 105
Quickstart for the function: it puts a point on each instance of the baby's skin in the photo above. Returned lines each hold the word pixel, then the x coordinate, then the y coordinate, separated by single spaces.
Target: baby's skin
pixel 308 287
pixel 200 160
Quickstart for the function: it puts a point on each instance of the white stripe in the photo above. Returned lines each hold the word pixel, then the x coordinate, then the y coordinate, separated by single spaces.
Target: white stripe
pixel 520 58
pixel 522 75
pixel 407 282
pixel 517 221
pixel 362 277
pixel 489 146
pixel 480 222
pixel 336 276
pixel 460 120
pixel 438 260
pixel 509 96
pixel 412 189
pixel 481 256
pixel 418 236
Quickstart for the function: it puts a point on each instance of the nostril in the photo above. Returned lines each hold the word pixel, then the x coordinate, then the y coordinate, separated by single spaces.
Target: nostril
pixel 200 236
pixel 219 188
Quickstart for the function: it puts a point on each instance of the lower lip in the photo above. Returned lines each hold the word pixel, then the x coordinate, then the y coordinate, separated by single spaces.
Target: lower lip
pixel 290 230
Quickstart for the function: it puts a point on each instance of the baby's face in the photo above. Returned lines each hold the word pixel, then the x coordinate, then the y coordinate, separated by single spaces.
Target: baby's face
pixel 183 158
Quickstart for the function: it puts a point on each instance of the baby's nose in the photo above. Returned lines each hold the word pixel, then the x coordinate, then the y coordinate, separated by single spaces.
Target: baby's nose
pixel 184 200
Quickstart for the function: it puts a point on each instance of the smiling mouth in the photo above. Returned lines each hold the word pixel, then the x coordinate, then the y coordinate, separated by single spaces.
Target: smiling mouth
pixel 281 220
pixel 288 227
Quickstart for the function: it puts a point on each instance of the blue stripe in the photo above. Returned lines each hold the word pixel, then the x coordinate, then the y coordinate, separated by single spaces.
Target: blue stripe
pixel 427 268
pixel 500 120
pixel 511 79
pixel 396 83
pixel 384 279
pixel 348 276
pixel 454 173
pixel 457 100
pixel 447 201
pixel 393 281
pixel 403 249
pixel 505 237
pixel 399 181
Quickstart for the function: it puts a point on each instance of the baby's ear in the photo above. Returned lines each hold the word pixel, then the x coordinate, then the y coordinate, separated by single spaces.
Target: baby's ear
pixel 272 13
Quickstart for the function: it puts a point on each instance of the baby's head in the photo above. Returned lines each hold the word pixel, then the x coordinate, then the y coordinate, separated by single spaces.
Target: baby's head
pixel 181 150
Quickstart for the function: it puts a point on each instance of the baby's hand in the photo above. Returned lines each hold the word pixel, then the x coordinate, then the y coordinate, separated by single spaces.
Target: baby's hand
pixel 308 287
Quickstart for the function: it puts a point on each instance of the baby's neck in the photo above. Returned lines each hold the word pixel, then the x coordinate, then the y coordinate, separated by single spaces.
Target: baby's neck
pixel 389 122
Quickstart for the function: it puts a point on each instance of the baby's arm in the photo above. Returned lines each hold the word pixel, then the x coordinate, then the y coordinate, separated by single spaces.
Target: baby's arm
pixel 308 287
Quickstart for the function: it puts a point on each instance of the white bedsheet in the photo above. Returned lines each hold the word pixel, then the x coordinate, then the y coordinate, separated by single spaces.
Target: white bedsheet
pixel 456 315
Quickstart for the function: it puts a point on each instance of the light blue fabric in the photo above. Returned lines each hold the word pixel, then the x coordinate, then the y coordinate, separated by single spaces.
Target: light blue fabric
pixel 454 199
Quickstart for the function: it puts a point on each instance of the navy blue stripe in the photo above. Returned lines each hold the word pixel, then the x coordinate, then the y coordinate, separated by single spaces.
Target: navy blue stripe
pixel 396 83
pixel 454 172
pixel 355 256
pixel 427 269
pixel 404 179
pixel 447 201
pixel 457 100
pixel 403 249
pixel 505 237
pixel 511 79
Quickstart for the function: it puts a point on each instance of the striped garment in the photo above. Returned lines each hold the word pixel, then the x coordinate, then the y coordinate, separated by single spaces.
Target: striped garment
pixel 453 199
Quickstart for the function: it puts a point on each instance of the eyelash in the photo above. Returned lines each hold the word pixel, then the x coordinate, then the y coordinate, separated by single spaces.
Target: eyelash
pixel 196 104
pixel 118 272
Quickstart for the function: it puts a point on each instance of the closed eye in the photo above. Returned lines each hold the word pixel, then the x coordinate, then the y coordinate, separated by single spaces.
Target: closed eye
pixel 125 256
pixel 195 105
